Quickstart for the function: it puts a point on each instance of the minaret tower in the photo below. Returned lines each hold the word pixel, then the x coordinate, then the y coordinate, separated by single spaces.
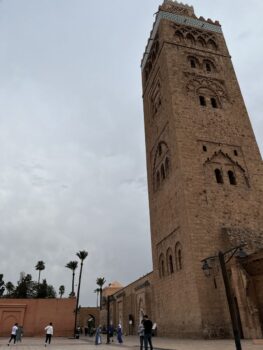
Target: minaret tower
pixel 205 177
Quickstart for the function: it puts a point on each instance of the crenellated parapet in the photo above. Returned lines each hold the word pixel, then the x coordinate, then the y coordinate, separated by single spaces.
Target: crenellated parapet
pixel 180 14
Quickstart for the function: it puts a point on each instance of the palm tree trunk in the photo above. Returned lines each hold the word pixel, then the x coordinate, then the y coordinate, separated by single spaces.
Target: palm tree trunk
pixel 97 298
pixel 100 297
pixel 77 302
pixel 39 277
pixel 73 281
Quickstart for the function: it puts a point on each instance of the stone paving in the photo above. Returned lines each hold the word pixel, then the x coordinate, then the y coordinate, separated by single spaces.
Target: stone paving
pixel 131 342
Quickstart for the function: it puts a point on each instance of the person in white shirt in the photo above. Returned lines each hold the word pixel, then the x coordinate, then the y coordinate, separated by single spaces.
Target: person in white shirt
pixel 49 332
pixel 13 333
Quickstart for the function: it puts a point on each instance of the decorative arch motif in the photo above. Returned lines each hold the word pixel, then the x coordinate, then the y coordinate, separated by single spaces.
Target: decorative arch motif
pixel 178 257
pixel 209 92
pixel 230 170
pixel 161 164
pixel 170 261
pixel 152 57
pixel 195 37
pixel 162 271
pixel 200 82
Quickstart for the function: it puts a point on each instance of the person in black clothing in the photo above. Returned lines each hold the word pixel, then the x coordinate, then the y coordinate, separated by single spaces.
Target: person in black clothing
pixel 147 332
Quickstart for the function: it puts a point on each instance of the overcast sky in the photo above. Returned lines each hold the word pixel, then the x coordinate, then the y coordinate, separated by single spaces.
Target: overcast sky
pixel 72 153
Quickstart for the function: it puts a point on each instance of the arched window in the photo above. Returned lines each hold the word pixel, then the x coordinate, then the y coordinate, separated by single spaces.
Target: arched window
pixel 192 63
pixel 190 39
pixel 201 42
pixel 232 178
pixel 214 102
pixel 211 45
pixel 161 266
pixel 219 176
pixel 178 257
pixel 202 100
pixel 179 36
pixel 208 67
pixel 169 259
pixel 171 266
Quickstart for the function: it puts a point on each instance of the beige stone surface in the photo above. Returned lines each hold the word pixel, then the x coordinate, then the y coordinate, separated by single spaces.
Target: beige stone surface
pixel 130 342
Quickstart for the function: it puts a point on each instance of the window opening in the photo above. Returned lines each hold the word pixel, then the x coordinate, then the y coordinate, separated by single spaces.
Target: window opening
pixel 208 67
pixel 171 266
pixel 219 177
pixel 202 100
pixel 232 178
pixel 235 152
pixel 204 148
pixel 193 65
pixel 214 103
pixel 160 149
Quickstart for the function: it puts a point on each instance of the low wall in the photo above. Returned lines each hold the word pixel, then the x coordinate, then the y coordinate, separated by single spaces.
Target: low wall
pixel 35 314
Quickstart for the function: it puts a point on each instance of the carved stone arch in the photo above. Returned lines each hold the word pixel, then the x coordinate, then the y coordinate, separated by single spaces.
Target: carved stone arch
pixel 178 256
pixel 207 83
pixel 179 37
pixel 219 154
pixel 201 42
pixel 161 164
pixel 161 265
pixel 193 61
pixel 211 44
pixel 208 65
pixel 210 96
pixel 229 168
pixel 190 39
pixel 169 261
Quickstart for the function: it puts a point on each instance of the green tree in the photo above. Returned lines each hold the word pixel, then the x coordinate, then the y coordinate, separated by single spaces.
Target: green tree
pixel 2 285
pixel 26 288
pixel 100 282
pixel 82 254
pixel 97 290
pixel 61 290
pixel 9 288
pixel 72 265
pixel 40 266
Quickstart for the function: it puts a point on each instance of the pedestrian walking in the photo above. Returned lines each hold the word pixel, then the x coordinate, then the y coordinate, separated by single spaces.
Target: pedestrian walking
pixel 98 336
pixel 111 332
pixel 148 325
pixel 19 333
pixel 119 334
pixel 49 333
pixel 13 333
pixel 141 334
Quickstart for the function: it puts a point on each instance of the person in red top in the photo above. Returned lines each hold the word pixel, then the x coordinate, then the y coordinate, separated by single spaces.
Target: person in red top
pixel 148 325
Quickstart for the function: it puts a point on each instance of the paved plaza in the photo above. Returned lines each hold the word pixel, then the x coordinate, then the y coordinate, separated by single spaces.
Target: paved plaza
pixel 131 342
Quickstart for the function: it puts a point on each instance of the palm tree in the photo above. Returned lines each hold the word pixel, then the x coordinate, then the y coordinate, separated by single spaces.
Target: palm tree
pixel 100 282
pixel 61 290
pixel 72 265
pixel 40 266
pixel 97 290
pixel 9 288
pixel 82 254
